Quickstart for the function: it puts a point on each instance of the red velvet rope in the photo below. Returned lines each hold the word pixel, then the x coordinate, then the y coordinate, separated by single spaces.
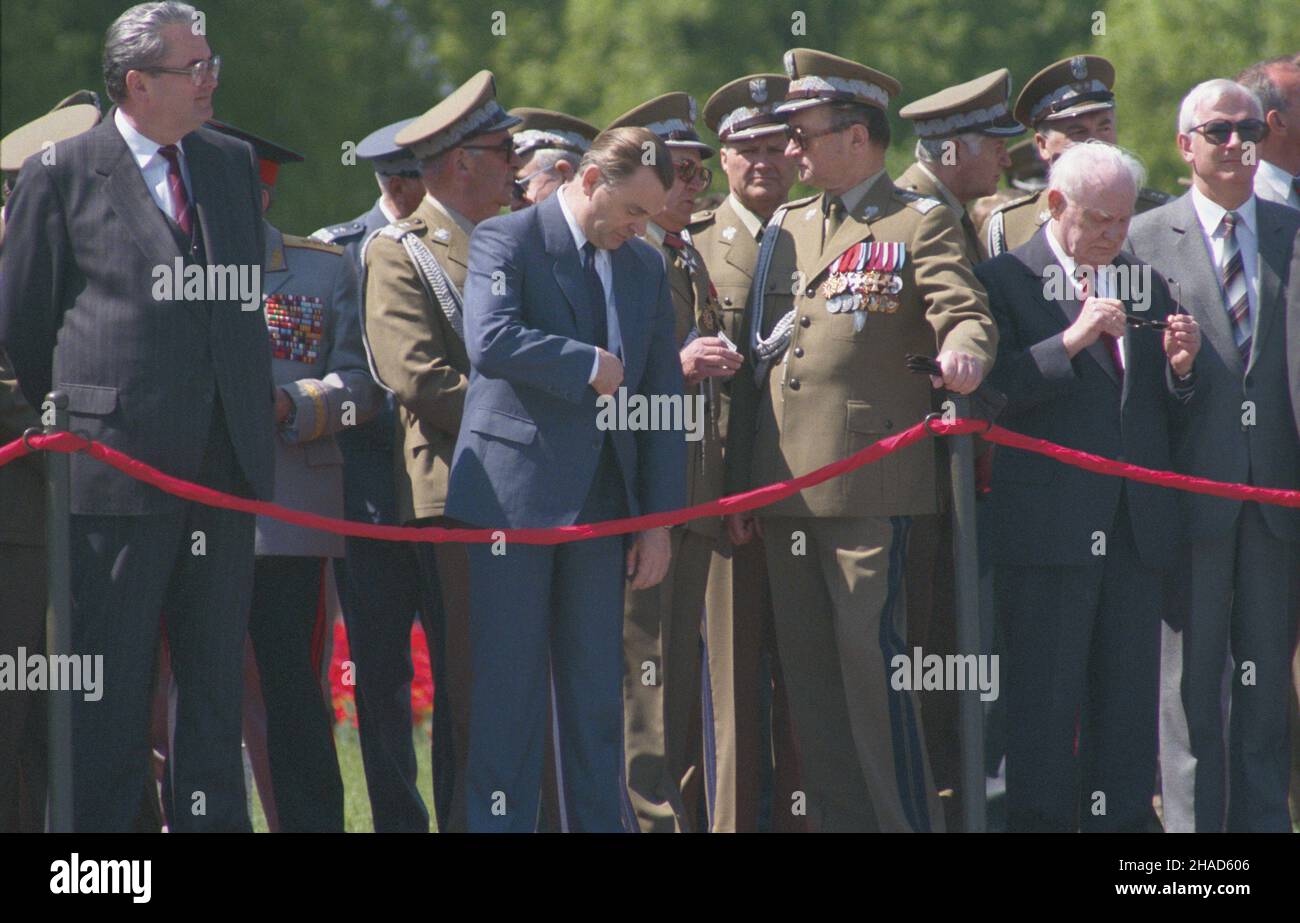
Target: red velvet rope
pixel 738 503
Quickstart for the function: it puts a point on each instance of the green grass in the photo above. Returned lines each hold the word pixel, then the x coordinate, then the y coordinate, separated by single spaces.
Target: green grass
pixel 356 804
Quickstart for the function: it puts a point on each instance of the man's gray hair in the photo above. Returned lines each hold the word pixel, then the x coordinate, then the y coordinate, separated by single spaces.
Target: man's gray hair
pixel 134 41
pixel 1259 80
pixel 547 157
pixel 1211 91
pixel 931 150
pixel 1091 162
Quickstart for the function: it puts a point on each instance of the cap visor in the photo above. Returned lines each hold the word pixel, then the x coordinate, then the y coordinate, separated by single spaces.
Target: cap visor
pixel 757 131
pixel 704 149
pixel 1093 106
pixel 798 105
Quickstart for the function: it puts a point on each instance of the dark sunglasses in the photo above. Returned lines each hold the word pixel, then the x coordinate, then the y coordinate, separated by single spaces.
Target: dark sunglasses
pixel 1138 322
pixel 688 170
pixel 1218 131
pixel 506 147
pixel 803 138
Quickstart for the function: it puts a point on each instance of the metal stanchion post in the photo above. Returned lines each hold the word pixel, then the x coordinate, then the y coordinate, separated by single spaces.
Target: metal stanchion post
pixel 58 620
pixel 961 456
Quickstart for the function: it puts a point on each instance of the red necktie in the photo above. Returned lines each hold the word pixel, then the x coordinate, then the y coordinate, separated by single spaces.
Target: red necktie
pixel 180 201
pixel 1109 340
pixel 674 241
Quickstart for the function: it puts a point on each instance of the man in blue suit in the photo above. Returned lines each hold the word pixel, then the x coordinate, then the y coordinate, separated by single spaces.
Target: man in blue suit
pixel 563 304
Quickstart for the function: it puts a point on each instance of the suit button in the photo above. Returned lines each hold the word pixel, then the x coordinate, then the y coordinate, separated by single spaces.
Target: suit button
pixel 794 384
pixel 804 321
pixel 798 352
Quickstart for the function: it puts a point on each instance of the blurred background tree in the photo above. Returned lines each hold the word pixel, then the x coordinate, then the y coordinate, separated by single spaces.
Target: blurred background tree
pixel 315 74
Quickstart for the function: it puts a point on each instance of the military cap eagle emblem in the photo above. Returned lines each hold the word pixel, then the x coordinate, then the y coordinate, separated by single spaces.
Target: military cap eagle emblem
pixel 1079 67
pixel 758 89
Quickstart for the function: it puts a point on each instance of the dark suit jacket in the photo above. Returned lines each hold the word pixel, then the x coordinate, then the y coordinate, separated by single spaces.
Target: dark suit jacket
pixel 528 445
pixel 1041 511
pixel 22 482
pixel 77 312
pixel 1216 443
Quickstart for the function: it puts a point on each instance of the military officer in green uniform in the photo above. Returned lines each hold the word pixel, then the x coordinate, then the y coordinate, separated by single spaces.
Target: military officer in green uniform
pixel 661 625
pixel 1064 103
pixel 549 145
pixel 961 134
pixel 961 147
pixel 413 321
pixel 848 282
pixel 741 643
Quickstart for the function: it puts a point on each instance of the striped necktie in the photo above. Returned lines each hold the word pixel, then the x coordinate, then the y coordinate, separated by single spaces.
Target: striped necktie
pixel 176 185
pixel 1234 287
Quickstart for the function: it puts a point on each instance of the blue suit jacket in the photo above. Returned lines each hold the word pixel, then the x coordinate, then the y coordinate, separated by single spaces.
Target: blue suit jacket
pixel 528 445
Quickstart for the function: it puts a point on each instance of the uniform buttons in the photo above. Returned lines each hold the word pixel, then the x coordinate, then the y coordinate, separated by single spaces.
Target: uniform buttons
pixel 794 384
pixel 798 352
pixel 804 321
pixel 811 291
pixel 727 301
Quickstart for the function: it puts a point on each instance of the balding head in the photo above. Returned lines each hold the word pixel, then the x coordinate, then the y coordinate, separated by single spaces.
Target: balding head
pixel 1277 84
pixel 1091 191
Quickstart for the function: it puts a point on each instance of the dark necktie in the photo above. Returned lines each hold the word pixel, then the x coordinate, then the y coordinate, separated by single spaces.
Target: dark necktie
pixel 176 184
pixel 597 292
pixel 834 217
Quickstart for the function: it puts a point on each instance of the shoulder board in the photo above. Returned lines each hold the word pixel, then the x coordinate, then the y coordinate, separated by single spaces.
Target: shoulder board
pixel 922 203
pixel 1015 203
pixel 1154 195
pixel 307 243
pixel 778 216
pixel 699 219
pixel 337 232
pixel 799 203
pixel 399 229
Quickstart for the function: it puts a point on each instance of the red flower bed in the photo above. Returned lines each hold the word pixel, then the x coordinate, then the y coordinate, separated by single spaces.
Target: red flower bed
pixel 341 694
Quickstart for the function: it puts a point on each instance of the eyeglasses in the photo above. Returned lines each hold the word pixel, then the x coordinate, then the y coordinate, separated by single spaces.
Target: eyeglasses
pixel 521 184
pixel 1218 131
pixel 505 147
pixel 803 138
pixel 689 170
pixel 199 72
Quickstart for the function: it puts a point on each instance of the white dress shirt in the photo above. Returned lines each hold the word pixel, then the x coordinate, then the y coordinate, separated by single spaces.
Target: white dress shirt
pixel 604 269
pixel 153 165
pixel 1210 216
pixel 1104 281
pixel 1276 185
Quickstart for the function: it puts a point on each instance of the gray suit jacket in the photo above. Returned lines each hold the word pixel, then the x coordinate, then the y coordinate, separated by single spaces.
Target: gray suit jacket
pixel 1216 442
pixel 78 312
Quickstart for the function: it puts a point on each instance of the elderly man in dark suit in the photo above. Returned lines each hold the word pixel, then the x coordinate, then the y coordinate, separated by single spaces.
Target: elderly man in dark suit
pixel 584 311
pixel 179 379
pixel 1090 356
pixel 1230 253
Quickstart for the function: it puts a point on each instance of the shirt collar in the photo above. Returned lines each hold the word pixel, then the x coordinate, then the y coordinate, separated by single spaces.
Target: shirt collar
pixel 952 200
pixel 142 148
pixel 1273 177
pixel 1211 213
pixel 579 238
pixel 853 197
pixel 457 218
pixel 1067 262
pixel 751 221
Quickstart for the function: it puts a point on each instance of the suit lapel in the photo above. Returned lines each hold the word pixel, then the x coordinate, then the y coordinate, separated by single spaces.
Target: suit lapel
pixel 568 267
pixel 1200 290
pixel 1038 257
pixel 130 197
pixel 1273 258
pixel 211 185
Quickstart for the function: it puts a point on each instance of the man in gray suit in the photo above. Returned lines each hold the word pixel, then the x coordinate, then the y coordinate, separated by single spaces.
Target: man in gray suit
pixel 179 379
pixel 1229 253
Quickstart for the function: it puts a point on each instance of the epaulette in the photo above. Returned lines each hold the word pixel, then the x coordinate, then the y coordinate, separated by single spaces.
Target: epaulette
pixel 1015 203
pixel 799 203
pixel 335 233
pixel 399 229
pixel 308 243
pixel 1154 195
pixel 699 219
pixel 922 203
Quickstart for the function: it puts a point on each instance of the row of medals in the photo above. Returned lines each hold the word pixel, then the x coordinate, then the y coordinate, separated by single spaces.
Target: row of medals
pixel 873 290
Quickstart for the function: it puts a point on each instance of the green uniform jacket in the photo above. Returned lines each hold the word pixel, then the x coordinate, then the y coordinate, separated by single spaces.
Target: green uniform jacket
pixel 416 354
pixel 688 281
pixel 918 181
pixel 836 389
